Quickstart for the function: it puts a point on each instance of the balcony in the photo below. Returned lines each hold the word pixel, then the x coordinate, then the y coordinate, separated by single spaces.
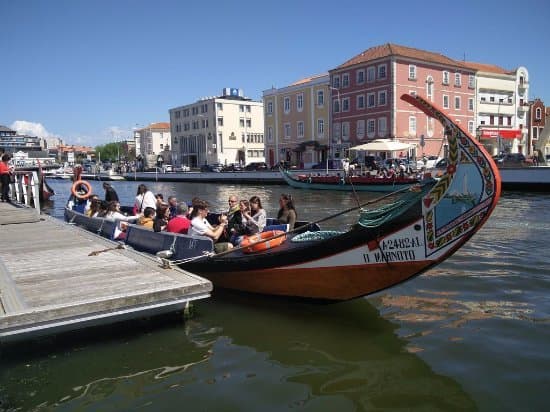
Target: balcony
pixel 523 108
pixel 522 85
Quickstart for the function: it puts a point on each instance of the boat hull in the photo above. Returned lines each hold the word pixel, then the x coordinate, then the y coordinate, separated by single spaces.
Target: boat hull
pixel 531 178
pixel 356 183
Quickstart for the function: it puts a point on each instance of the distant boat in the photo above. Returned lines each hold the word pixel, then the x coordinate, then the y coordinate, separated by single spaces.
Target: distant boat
pixel 525 178
pixel 395 237
pixel 366 183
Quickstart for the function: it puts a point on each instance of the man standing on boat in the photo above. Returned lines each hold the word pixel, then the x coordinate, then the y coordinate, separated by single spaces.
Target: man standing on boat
pixel 110 193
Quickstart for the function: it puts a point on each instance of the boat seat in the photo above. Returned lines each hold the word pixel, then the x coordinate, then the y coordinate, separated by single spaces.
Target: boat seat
pixel 283 227
pixel 190 246
pixel 145 240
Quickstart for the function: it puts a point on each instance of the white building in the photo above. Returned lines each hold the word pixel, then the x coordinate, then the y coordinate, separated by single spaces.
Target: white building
pixel 502 100
pixel 225 129
pixel 152 141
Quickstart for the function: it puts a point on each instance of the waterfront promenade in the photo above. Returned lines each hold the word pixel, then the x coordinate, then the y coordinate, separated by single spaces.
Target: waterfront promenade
pixel 56 277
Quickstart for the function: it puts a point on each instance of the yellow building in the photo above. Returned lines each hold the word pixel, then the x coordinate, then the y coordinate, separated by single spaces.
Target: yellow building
pixel 296 122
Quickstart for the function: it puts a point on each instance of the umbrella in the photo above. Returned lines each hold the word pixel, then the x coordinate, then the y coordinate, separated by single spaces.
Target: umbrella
pixel 382 145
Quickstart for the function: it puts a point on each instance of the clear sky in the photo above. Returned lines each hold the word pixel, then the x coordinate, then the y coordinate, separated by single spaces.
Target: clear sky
pixel 90 71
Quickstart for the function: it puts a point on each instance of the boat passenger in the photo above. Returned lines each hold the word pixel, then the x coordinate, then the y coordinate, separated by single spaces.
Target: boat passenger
pixel 162 217
pixel 255 216
pixel 173 205
pixel 110 193
pixel 234 218
pixel 147 219
pixel 114 213
pixel 201 227
pixel 287 212
pixel 179 223
pixel 160 199
pixel 92 206
pixel 144 199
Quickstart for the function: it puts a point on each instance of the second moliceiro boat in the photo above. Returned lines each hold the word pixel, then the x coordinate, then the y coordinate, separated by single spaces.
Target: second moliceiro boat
pixel 416 228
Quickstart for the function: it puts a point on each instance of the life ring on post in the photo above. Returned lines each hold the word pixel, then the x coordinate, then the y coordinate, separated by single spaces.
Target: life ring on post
pixel 75 189
pixel 257 243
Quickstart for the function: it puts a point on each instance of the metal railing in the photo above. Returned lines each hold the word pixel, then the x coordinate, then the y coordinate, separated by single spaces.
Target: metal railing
pixel 25 189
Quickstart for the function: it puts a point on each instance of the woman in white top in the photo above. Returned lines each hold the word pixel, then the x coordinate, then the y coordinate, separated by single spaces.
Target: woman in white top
pixel 113 213
pixel 145 198
pixel 255 217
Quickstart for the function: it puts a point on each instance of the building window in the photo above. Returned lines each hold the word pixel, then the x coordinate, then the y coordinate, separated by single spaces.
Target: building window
pixel 300 102
pixel 345 104
pixel 457 103
pixel 336 131
pixel 471 81
pixel 270 108
pixel 412 125
pixel 538 114
pixel 220 121
pixel 287 104
pixel 345 131
pixel 241 108
pixel 430 88
pixel 471 104
pixel 270 134
pixel 371 127
pixel 412 72
pixel 345 80
pixel 336 106
pixel 458 80
pixel 445 77
pixel 371 100
pixel 248 122
pixel 382 71
pixel 336 81
pixel 371 73
pixel 320 98
pixel 360 76
pixel 287 130
pixel 300 129
pixel 382 126
pixel 320 127
pixel 471 127
pixel 360 129
pixel 219 106
pixel 382 98
pixel 241 122
pixel 360 101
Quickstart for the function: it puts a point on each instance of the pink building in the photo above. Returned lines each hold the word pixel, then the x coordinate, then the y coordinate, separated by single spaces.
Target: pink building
pixel 366 104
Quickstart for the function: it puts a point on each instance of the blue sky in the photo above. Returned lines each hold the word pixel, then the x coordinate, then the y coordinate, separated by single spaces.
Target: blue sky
pixel 89 71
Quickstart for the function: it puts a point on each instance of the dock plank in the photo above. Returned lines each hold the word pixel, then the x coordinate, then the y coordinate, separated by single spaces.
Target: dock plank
pixel 55 276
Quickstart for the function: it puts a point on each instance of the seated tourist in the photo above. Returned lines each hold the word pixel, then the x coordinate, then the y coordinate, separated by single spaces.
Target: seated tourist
pixel 113 213
pixel 287 212
pixel 179 223
pixel 201 227
pixel 162 217
pixel 148 218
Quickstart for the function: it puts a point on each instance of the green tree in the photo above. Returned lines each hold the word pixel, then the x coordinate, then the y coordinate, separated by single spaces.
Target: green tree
pixel 110 151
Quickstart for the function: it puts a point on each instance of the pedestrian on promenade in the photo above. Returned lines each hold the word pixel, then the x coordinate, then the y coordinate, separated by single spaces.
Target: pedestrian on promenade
pixel 5 177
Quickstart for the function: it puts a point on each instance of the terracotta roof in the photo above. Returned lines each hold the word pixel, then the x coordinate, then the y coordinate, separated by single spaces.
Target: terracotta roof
pixel 159 125
pixel 389 49
pixel 486 67
pixel 308 79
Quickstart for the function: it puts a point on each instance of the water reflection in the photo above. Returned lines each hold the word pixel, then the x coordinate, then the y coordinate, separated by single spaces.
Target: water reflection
pixel 239 352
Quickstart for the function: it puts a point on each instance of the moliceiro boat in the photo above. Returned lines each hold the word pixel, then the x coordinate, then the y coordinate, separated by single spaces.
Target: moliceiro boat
pixel 364 183
pixel 395 238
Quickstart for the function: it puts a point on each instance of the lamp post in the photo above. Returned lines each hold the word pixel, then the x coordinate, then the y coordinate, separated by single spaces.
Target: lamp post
pixel 498 128
pixel 331 148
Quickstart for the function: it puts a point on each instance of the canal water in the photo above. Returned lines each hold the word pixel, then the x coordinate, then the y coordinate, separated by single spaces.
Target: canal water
pixel 471 334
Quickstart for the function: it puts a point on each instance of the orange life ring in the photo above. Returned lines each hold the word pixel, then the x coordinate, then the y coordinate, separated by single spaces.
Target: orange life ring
pixel 76 186
pixel 251 244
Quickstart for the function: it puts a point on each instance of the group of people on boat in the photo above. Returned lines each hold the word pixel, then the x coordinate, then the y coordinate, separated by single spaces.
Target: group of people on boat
pixel 228 229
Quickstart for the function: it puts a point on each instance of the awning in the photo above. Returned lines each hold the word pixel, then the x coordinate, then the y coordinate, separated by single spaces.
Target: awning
pixel 504 134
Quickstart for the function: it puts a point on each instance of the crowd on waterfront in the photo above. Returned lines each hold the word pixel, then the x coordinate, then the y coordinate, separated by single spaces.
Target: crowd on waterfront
pixel 227 229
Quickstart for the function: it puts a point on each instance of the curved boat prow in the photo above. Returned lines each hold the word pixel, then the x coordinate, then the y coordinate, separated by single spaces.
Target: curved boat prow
pixel 471 181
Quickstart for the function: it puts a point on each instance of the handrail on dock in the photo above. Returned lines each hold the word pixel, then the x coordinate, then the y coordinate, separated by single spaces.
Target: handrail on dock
pixel 25 188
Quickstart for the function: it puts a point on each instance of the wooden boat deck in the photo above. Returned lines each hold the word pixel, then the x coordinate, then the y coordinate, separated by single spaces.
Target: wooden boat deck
pixel 56 277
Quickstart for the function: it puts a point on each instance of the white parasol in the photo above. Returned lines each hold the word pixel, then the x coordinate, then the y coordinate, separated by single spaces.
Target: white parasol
pixel 382 145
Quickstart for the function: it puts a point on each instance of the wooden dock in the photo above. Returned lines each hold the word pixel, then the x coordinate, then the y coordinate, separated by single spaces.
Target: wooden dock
pixel 56 277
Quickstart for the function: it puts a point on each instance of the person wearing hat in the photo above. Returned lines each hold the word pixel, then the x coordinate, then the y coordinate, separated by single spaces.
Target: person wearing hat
pixel 110 193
